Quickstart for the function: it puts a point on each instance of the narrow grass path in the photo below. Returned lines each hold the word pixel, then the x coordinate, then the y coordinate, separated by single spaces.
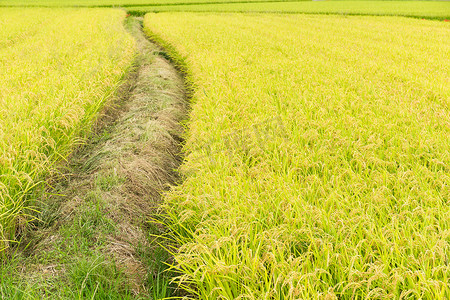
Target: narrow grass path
pixel 94 240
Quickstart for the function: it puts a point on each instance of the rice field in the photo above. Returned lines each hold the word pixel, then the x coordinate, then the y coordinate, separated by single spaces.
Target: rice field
pixel 316 153
pixel 418 9
pixel 58 66
pixel 317 156
pixel 124 3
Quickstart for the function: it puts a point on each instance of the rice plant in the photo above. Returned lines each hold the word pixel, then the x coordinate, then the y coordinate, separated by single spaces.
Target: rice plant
pixel 105 3
pixel 317 157
pixel 417 9
pixel 58 68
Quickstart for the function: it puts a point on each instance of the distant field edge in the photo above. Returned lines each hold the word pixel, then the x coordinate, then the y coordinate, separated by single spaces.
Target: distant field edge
pixel 439 10
pixel 148 5
pixel 141 14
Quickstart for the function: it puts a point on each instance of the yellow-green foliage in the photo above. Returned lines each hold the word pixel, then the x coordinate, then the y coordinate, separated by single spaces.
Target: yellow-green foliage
pixel 103 3
pixel 345 189
pixel 58 67
pixel 420 9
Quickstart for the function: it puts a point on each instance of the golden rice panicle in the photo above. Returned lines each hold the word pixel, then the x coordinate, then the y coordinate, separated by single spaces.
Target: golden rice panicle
pixel 318 157
pixel 60 67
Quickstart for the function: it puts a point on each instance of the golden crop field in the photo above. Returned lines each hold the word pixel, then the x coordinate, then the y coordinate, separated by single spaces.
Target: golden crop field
pixel 418 9
pixel 58 68
pixel 317 156
pixel 111 3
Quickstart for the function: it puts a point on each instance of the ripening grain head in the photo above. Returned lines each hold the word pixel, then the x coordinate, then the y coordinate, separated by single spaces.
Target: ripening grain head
pixel 58 67
pixel 349 195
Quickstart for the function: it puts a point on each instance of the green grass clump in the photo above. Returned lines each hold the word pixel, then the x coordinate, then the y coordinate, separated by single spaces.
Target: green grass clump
pixel 58 69
pixel 317 156
pixel 418 9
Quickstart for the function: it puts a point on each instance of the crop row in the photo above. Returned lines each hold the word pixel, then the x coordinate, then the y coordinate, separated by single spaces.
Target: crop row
pixel 58 68
pixel 318 156
pixel 418 9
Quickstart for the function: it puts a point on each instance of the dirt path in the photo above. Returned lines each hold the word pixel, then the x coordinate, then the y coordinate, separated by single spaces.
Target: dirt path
pixel 94 239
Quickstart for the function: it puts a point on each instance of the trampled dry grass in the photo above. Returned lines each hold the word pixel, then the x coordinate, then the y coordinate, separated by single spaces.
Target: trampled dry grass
pixel 344 190
pixel 58 68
